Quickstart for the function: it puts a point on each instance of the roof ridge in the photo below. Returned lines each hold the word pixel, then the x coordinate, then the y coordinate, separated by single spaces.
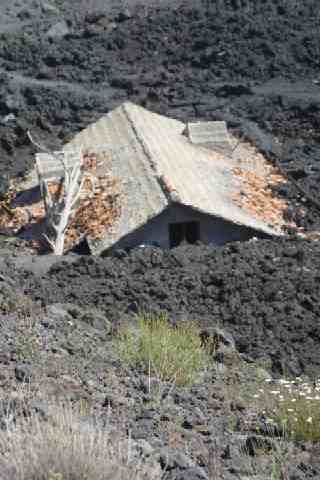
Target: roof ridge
pixel 168 189
pixel 139 138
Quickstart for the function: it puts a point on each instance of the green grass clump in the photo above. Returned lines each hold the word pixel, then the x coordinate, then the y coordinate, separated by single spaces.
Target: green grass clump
pixel 175 353
pixel 293 406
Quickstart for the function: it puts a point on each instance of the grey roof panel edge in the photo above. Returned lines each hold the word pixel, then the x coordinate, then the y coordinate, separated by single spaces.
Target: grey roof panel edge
pixel 259 227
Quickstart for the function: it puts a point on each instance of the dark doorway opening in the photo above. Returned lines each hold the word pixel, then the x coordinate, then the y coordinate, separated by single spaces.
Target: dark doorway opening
pixel 186 232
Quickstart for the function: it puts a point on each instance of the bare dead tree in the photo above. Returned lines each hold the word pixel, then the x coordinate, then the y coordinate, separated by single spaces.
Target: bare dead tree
pixel 60 205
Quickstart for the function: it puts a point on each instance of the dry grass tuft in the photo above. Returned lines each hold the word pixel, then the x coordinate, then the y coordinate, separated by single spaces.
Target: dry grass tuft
pixel 66 447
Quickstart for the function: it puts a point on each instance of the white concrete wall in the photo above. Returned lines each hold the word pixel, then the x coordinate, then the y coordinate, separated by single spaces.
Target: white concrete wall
pixel 212 229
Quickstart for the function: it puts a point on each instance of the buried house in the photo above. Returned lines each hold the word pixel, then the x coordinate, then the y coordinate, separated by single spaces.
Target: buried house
pixel 173 184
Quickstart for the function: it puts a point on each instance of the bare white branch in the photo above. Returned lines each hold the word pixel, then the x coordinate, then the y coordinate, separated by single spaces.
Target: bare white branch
pixel 50 242
pixel 60 206
pixel 38 145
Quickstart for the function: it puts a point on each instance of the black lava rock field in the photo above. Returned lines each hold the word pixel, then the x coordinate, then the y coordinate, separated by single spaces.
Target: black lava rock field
pixel 267 294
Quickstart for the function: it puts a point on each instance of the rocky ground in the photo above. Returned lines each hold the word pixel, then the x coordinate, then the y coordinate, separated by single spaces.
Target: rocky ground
pixel 63 64
pixel 259 302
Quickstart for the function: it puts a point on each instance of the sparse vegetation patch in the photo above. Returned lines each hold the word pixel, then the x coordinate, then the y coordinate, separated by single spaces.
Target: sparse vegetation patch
pixel 293 406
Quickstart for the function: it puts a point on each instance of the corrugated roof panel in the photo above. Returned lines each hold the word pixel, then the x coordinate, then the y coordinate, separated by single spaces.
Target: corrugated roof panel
pixel 211 134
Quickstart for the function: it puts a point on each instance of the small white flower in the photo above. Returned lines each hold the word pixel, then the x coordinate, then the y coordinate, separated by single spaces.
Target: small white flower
pixel 290 410
pixel 261 390
pixel 275 392
pixel 268 380
pixel 293 400
pixel 309 420
pixel 256 396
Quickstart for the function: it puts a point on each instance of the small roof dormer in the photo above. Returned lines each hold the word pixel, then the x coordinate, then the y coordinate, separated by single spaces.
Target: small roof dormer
pixel 213 135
